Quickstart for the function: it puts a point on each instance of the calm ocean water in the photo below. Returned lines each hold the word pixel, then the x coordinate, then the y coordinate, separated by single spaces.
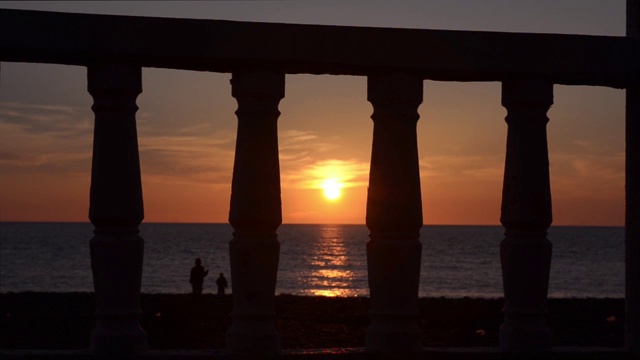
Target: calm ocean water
pixel 329 260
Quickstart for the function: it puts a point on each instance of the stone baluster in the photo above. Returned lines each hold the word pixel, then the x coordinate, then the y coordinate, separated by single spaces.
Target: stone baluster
pixel 394 214
pixel 525 252
pixel 632 193
pixel 116 209
pixel 255 213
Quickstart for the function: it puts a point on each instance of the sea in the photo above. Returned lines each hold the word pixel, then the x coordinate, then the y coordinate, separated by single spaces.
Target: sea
pixel 327 260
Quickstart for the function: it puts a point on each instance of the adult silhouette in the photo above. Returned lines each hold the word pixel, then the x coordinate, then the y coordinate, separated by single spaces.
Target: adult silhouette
pixel 196 279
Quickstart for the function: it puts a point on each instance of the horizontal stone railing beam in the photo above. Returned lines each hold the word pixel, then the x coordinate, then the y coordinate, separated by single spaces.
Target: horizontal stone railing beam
pixel 227 46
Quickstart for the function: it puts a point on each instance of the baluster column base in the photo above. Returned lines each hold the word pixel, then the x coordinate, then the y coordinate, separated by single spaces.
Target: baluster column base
pixel 253 334
pixel 525 269
pixel 116 263
pixel 254 266
pixel 120 341
pixel 394 275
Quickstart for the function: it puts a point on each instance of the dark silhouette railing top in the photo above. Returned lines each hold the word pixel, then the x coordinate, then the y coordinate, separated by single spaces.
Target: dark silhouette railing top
pixel 227 46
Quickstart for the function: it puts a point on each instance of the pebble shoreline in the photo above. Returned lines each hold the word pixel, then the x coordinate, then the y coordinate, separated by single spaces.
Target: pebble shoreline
pixel 33 320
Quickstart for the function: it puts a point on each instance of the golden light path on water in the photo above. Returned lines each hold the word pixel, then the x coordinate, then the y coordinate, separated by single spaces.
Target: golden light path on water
pixel 330 275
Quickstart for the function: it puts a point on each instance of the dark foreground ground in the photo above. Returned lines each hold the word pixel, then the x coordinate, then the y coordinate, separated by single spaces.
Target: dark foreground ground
pixel 65 321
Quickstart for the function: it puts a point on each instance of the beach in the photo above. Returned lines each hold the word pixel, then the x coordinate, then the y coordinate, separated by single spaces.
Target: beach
pixel 33 320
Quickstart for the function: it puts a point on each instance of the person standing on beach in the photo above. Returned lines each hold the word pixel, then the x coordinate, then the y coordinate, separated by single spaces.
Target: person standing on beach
pixel 196 279
pixel 222 284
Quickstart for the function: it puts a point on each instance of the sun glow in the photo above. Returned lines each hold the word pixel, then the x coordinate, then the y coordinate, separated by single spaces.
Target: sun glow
pixel 332 189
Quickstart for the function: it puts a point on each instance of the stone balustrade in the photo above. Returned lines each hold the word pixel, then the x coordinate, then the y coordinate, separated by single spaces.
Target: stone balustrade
pixel 396 63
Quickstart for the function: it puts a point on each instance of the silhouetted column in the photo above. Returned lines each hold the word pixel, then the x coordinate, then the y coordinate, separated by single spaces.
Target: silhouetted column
pixel 394 214
pixel 632 214
pixel 116 209
pixel 525 251
pixel 255 213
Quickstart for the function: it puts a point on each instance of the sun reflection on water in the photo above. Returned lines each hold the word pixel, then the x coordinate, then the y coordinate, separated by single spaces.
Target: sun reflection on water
pixel 334 292
pixel 329 272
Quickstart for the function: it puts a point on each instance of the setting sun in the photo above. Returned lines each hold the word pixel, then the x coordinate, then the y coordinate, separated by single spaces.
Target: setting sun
pixel 332 189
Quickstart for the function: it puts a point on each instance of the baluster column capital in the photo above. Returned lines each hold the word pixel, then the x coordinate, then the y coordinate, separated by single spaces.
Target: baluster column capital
pixel 394 89
pixel 528 94
pixel 114 78
pixel 394 201
pixel 526 195
pixel 255 190
pixel 258 84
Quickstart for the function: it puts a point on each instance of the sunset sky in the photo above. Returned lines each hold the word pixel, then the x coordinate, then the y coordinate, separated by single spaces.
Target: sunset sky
pixel 186 124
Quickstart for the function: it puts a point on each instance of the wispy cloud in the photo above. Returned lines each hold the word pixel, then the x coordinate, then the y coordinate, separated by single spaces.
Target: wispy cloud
pixel 59 139
pixel 45 137
pixel 178 158
pixel 588 175
pixel 300 148
pixel 593 174
pixel 305 161
pixel 348 173
pixel 55 121
pixel 469 168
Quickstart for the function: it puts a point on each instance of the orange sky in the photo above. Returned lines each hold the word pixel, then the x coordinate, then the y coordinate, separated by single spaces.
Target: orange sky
pixel 186 127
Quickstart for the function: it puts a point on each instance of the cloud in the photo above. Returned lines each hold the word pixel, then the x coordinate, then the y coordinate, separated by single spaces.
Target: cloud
pixel 347 173
pixel 463 168
pixel 583 143
pixel 292 148
pixel 12 158
pixel 604 167
pixel 588 175
pixel 300 148
pixel 52 120
pixel 45 138
pixel 197 154
pixel 305 161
